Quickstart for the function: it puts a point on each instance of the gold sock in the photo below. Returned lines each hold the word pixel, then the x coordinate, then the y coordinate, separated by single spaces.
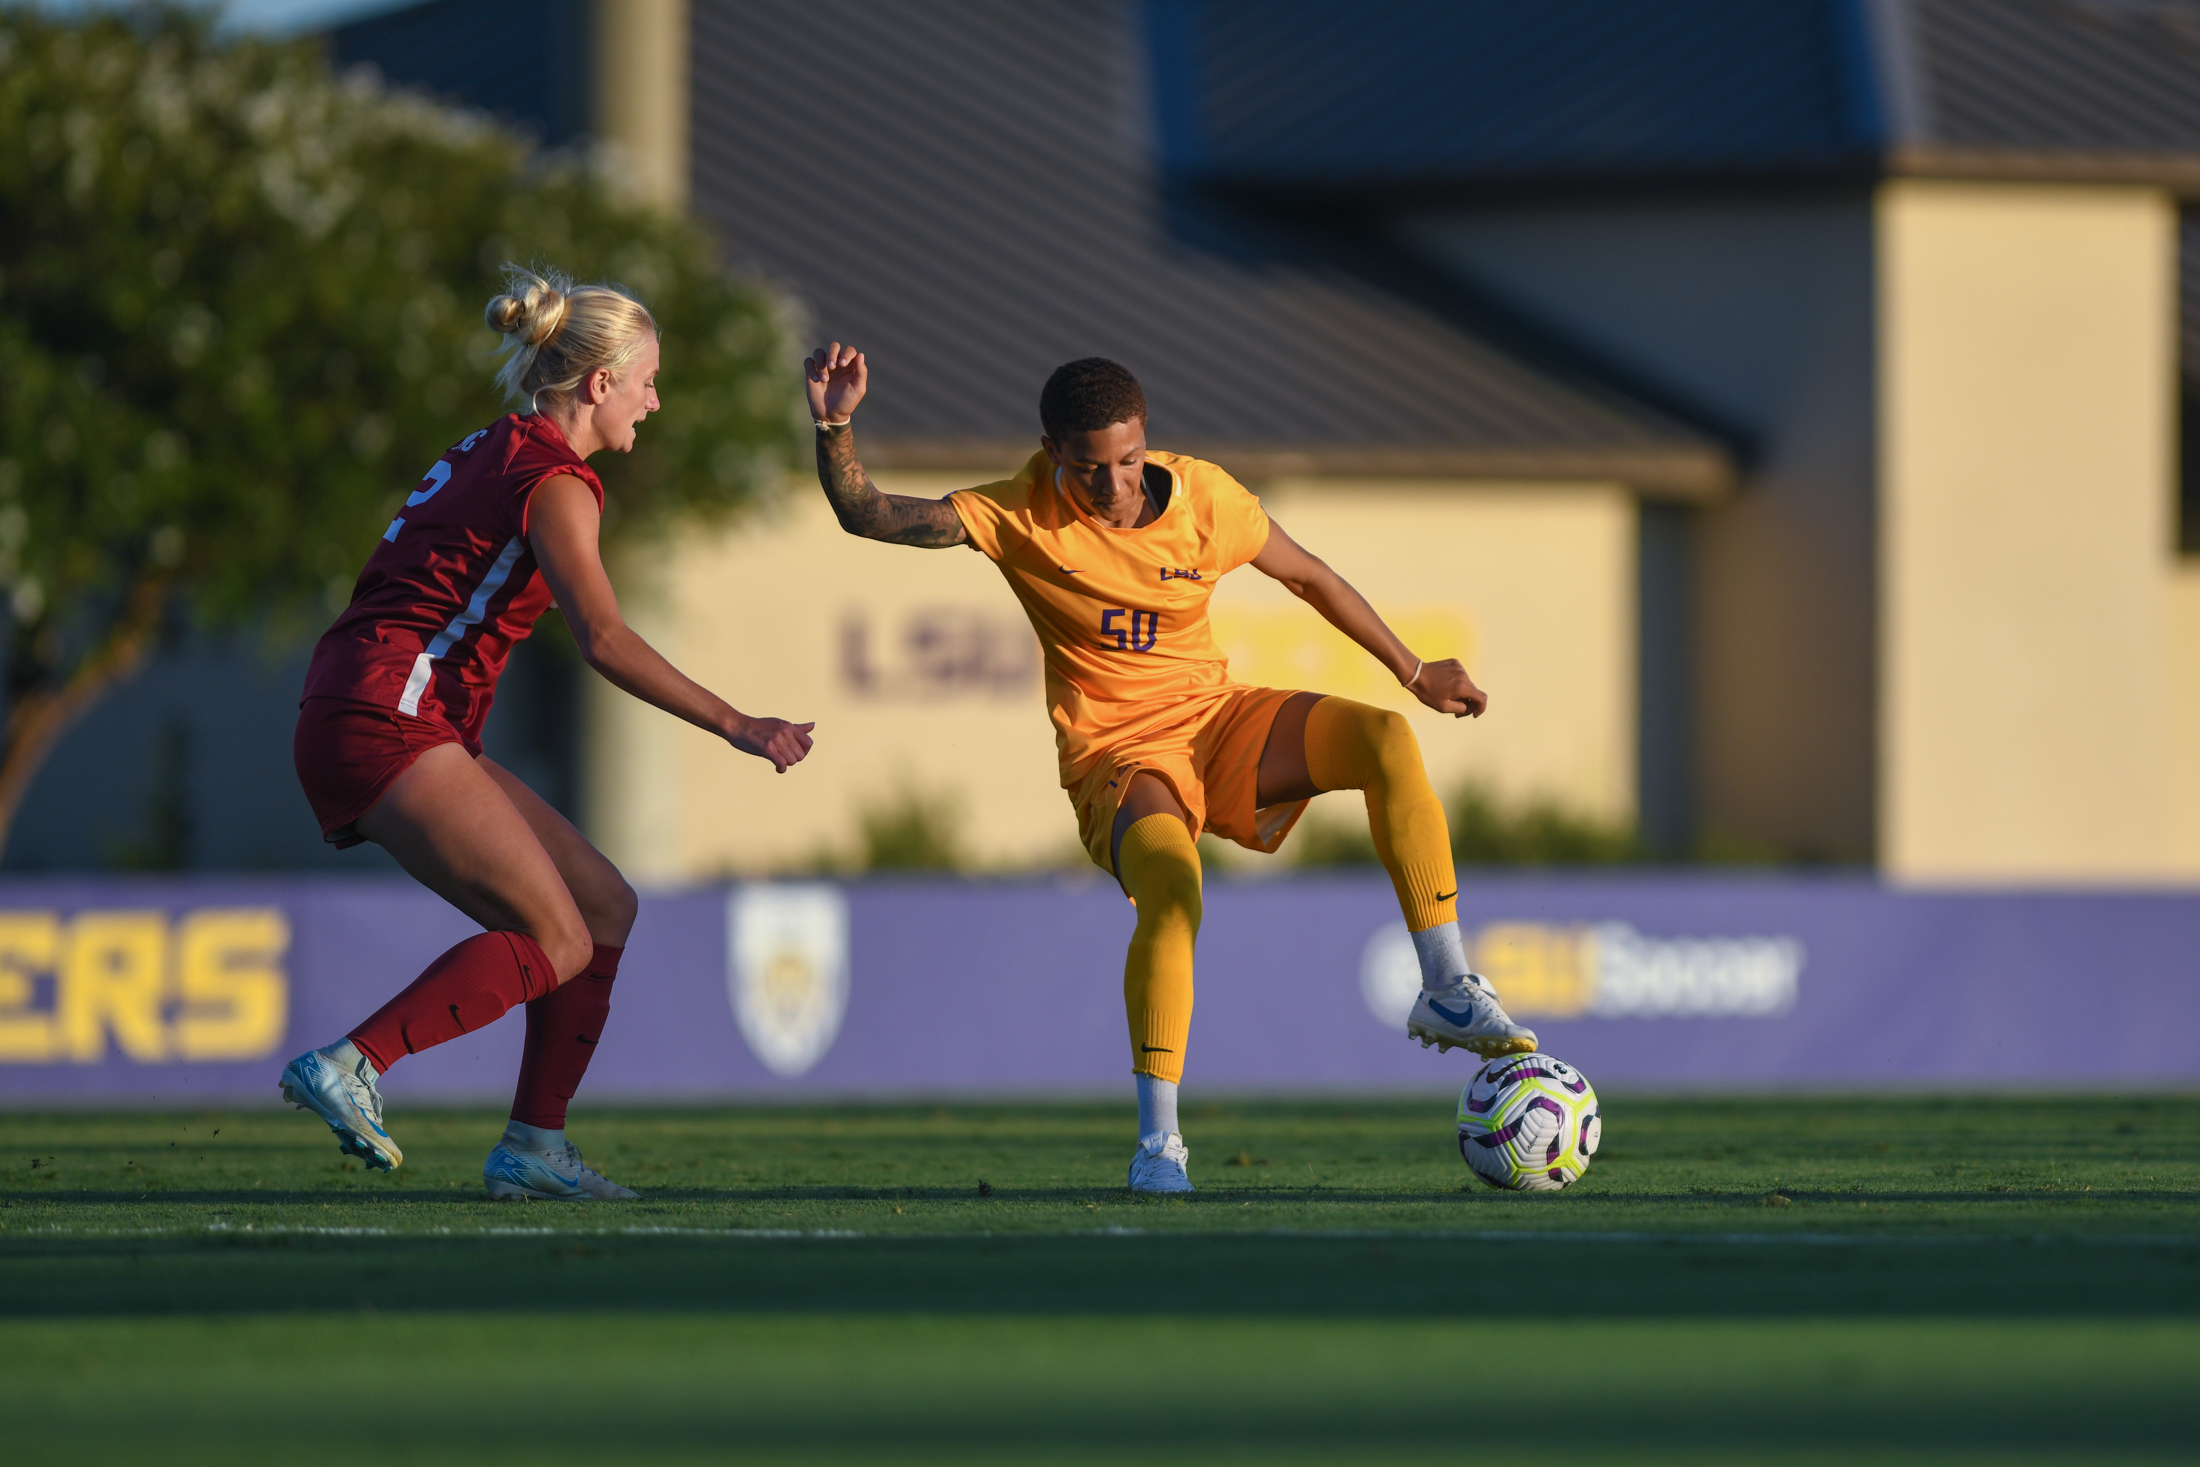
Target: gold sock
pixel 1350 746
pixel 1160 869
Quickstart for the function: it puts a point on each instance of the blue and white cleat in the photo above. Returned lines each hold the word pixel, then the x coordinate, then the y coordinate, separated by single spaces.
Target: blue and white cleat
pixel 1158 1164
pixel 1467 1015
pixel 336 1083
pixel 547 1176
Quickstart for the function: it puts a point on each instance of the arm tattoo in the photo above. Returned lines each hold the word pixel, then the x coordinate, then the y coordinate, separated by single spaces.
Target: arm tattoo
pixel 862 510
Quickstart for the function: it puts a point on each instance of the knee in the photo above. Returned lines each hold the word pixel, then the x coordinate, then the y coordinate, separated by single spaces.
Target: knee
pixel 1168 886
pixel 1377 744
pixel 611 920
pixel 1174 878
pixel 1351 746
pixel 1388 750
pixel 568 946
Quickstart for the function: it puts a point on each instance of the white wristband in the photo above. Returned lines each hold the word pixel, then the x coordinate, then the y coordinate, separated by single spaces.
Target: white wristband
pixel 822 425
pixel 1417 666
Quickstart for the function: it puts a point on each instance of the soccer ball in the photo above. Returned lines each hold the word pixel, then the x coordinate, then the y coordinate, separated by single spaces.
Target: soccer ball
pixel 1529 1123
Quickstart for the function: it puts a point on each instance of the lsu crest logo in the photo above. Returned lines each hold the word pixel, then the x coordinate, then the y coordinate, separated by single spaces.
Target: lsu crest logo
pixel 787 971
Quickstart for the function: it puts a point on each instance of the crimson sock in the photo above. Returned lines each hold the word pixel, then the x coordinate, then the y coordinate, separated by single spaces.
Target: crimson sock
pixel 469 986
pixel 562 1029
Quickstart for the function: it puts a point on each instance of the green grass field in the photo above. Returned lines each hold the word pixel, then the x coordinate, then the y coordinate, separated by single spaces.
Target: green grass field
pixel 1940 1279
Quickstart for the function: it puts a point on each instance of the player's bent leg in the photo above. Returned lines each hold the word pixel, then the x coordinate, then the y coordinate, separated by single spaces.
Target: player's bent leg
pixel 606 902
pixel 1158 864
pixel 1350 745
pixel 564 1027
pixel 455 831
pixel 449 825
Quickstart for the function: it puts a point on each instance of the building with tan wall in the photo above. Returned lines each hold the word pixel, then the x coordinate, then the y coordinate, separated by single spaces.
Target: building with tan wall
pixel 1778 405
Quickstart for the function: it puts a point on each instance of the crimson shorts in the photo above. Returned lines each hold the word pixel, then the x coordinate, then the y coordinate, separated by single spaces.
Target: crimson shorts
pixel 348 754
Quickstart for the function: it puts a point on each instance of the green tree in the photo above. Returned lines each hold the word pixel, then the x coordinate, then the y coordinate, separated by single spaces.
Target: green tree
pixel 240 311
pixel 913 830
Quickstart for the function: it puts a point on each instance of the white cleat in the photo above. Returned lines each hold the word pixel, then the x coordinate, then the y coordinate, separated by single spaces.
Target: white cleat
pixel 547 1176
pixel 1158 1164
pixel 343 1095
pixel 1468 1015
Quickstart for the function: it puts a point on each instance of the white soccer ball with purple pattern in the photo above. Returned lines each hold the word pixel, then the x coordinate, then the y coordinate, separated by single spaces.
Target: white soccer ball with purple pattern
pixel 1529 1123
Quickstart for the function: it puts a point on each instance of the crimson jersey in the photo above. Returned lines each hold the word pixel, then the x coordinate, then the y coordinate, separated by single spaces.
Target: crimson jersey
pixel 453 585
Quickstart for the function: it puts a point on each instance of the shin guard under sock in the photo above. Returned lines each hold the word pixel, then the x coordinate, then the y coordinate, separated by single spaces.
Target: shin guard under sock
pixel 469 986
pixel 1350 746
pixel 562 1029
pixel 1159 865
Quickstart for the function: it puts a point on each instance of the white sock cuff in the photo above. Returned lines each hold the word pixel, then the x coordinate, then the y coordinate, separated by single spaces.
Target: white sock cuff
pixel 1156 1104
pixel 1443 955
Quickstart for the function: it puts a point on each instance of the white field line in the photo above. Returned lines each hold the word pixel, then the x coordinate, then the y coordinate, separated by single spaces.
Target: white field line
pixel 1447 1235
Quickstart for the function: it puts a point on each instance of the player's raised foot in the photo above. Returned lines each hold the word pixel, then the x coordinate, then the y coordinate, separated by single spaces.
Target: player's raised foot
pixel 516 1175
pixel 336 1083
pixel 1468 1015
pixel 1158 1164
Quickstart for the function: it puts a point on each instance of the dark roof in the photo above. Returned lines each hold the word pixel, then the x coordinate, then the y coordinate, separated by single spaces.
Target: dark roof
pixel 1425 91
pixel 490 54
pixel 1469 94
pixel 967 190
pixel 2101 89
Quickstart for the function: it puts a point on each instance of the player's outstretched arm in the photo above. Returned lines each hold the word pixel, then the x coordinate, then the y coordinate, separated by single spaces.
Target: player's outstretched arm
pixel 1443 686
pixel 562 525
pixel 837 379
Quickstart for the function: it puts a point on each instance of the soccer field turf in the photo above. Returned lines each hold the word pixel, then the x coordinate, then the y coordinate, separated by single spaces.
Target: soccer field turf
pixel 1948 1278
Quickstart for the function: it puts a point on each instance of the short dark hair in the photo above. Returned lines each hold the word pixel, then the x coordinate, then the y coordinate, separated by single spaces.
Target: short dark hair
pixel 1087 395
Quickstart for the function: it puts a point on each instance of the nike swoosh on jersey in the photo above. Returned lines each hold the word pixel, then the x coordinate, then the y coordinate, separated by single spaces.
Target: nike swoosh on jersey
pixel 1065 570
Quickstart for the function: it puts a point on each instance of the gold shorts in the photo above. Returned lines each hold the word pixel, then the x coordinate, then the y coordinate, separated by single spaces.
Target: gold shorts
pixel 1212 763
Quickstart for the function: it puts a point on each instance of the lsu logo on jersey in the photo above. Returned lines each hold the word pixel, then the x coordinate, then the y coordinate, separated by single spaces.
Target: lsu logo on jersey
pixel 1169 573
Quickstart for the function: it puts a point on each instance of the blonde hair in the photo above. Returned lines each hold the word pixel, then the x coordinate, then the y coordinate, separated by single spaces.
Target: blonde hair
pixel 556 333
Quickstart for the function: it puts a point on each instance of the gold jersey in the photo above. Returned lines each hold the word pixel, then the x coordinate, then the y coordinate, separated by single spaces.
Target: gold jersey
pixel 1121 614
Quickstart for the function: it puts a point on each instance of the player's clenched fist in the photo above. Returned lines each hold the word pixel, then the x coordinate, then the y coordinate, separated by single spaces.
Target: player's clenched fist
pixel 1445 687
pixel 836 378
pixel 775 739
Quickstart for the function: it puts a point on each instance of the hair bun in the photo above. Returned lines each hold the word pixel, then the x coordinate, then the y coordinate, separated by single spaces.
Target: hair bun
pixel 534 314
pixel 556 333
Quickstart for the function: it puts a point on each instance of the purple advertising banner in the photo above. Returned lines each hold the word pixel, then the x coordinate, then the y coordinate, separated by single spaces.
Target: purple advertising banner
pixel 197 990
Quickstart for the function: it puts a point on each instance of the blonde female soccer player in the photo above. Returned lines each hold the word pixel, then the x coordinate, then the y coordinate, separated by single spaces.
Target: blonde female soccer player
pixel 389 731
pixel 1113 550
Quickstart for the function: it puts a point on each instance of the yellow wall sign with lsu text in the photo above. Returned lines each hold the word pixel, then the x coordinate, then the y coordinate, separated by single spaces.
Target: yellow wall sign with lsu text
pixel 208 986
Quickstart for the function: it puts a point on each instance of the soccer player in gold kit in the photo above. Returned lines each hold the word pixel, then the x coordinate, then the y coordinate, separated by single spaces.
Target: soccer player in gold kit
pixel 1113 549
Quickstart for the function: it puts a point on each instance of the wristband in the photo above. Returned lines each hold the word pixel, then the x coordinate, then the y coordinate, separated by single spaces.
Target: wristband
pixel 1418 664
pixel 822 425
